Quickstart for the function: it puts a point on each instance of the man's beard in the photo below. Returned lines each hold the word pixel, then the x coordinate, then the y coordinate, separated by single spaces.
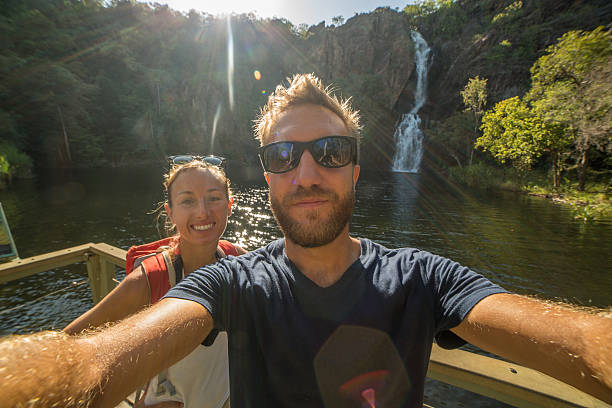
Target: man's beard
pixel 316 231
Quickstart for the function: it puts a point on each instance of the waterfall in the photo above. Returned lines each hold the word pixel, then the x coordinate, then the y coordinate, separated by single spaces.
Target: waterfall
pixel 408 135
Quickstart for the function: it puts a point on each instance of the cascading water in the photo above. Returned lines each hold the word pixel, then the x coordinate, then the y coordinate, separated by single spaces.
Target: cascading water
pixel 408 135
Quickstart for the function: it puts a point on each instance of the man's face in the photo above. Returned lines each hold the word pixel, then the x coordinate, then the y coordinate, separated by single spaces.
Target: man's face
pixel 311 203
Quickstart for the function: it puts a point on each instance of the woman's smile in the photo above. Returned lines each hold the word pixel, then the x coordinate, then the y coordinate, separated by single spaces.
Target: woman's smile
pixel 202 227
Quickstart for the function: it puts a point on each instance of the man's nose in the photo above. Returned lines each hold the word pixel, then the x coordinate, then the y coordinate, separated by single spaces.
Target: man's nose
pixel 308 172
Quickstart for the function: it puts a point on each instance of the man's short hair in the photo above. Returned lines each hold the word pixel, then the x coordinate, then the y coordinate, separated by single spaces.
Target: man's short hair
pixel 304 89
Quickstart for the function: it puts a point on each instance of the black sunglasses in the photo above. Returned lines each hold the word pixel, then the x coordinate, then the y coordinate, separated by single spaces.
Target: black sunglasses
pixel 187 158
pixel 329 151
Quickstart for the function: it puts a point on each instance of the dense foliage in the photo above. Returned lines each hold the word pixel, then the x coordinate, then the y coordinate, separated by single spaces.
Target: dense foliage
pixel 110 83
pixel 572 88
pixel 513 132
pixel 566 113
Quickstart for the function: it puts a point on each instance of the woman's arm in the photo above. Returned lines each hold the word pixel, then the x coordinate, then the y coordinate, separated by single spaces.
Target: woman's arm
pixel 129 297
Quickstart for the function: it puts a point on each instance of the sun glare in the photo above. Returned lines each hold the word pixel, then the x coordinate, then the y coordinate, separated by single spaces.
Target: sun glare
pixel 262 8
pixel 296 11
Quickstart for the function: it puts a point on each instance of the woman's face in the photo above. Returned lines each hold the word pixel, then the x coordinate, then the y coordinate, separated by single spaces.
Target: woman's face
pixel 199 206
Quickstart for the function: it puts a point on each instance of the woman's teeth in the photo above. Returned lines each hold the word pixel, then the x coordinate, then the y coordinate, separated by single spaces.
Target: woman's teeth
pixel 202 227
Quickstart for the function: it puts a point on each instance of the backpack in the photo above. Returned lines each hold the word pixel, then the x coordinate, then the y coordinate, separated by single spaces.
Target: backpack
pixel 138 253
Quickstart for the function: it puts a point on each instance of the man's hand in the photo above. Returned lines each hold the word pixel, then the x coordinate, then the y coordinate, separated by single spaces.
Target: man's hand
pixel 31 370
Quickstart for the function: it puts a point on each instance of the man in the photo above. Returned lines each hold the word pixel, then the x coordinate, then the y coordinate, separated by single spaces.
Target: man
pixel 319 318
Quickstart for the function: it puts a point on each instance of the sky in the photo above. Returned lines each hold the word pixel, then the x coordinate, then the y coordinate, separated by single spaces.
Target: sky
pixel 297 11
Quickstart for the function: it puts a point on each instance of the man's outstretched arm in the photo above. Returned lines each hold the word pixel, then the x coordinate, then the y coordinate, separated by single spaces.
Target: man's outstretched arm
pixel 570 345
pixel 100 369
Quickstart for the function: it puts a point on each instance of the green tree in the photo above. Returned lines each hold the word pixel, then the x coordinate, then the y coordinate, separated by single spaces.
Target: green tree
pixel 513 132
pixel 474 97
pixel 571 88
pixel 13 162
pixel 422 8
pixel 454 136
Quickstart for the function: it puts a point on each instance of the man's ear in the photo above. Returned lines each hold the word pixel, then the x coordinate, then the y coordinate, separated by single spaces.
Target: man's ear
pixel 356 170
pixel 229 206
pixel 267 178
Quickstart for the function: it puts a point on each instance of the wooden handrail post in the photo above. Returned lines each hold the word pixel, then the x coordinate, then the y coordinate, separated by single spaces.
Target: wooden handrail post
pixel 107 273
pixel 101 273
pixel 93 271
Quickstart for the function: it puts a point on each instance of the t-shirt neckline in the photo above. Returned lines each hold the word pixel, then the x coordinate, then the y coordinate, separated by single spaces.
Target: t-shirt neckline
pixel 352 272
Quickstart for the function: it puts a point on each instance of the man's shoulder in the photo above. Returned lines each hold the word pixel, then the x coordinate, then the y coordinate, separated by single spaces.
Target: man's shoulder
pixel 403 261
pixel 270 254
pixel 272 251
pixel 375 251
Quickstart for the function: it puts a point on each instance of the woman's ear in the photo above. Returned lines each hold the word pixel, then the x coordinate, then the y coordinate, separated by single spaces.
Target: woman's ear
pixel 229 206
pixel 169 212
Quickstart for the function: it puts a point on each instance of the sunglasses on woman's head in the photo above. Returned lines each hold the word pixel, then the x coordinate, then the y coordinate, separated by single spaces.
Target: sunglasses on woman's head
pixel 329 151
pixel 187 158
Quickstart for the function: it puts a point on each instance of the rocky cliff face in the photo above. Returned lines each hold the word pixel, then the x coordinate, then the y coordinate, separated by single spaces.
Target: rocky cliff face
pixel 375 44
pixel 496 39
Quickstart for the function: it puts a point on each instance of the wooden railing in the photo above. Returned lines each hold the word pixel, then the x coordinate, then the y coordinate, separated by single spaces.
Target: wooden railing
pixel 503 381
pixel 100 260
pixel 510 383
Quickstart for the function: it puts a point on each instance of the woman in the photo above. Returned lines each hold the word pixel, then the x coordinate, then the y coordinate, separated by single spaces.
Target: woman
pixel 198 204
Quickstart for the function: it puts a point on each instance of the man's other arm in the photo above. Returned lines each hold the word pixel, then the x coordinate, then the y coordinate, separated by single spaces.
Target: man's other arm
pixel 570 345
pixel 100 369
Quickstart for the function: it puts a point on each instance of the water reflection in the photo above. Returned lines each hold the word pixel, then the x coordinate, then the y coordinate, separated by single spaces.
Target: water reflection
pixel 404 194
pixel 251 224
pixel 386 208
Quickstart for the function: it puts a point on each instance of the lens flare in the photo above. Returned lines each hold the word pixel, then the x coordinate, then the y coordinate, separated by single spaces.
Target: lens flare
pixel 230 62
pixel 263 91
pixel 365 386
pixel 369 396
pixel 257 75
pixel 360 367
pixel 214 129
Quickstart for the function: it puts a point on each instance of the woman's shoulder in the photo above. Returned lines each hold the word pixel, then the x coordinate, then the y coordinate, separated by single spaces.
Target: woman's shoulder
pixel 230 248
pixel 240 250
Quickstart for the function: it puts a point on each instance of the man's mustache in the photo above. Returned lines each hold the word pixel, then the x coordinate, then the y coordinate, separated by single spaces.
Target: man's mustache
pixel 309 193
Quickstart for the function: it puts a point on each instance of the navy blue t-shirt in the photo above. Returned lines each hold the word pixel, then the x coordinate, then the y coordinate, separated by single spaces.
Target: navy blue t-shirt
pixel 366 338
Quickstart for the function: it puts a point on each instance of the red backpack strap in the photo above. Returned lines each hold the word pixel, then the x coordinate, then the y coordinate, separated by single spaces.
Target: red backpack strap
pixel 157 274
pixel 228 248
pixel 138 251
